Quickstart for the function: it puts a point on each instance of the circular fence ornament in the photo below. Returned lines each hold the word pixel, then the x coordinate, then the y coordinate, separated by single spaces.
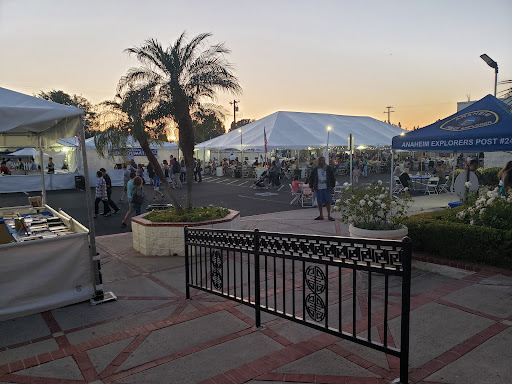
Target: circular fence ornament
pixel 315 279
pixel 216 262
pixel 315 307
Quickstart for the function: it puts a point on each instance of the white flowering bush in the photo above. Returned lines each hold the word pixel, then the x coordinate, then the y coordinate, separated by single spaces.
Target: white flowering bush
pixel 372 207
pixel 489 209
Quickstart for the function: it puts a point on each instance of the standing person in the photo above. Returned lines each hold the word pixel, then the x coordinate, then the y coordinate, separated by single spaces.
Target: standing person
pixel 279 170
pixel 140 172
pixel 101 195
pixel 126 179
pixel 156 186
pixel 51 166
pixel 232 158
pixel 133 165
pixel 176 173
pixel 365 167
pixel 21 166
pixel 505 178
pixel 272 171
pixel 135 204
pixel 108 183
pixel 33 165
pixel 151 173
pixel 183 175
pixel 197 171
pixel 165 167
pixel 322 182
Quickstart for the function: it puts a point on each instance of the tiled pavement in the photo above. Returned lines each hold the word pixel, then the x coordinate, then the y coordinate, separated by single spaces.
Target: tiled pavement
pixel 461 330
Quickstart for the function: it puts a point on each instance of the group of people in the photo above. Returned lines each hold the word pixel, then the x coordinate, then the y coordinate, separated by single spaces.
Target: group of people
pixel 8 165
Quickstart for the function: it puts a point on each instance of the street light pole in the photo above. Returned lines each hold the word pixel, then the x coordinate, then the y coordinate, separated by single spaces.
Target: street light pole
pixel 241 146
pixel 491 63
pixel 328 130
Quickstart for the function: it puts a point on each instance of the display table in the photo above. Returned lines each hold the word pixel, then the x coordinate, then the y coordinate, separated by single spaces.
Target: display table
pixel 32 182
pixel 45 272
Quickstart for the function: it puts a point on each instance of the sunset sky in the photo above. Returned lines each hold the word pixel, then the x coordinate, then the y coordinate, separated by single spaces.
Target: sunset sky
pixel 341 57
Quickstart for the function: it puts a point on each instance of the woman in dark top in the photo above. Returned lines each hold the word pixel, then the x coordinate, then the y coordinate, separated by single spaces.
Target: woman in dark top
pixel 405 178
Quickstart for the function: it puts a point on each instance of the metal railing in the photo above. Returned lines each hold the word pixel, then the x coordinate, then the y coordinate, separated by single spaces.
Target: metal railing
pixel 341 286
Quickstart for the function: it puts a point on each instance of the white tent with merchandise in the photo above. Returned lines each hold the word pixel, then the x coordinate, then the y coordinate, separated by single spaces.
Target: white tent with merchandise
pixel 299 130
pixel 53 272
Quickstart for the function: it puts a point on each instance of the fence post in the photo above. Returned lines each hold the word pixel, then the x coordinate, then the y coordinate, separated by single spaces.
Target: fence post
pixel 257 293
pixel 406 309
pixel 187 274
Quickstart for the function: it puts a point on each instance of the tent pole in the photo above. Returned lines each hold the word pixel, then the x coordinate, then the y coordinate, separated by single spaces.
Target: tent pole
pixel 99 296
pixel 453 171
pixel 391 186
pixel 43 192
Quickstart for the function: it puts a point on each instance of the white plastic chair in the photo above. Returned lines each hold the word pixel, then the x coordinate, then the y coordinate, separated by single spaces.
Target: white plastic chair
pixel 432 186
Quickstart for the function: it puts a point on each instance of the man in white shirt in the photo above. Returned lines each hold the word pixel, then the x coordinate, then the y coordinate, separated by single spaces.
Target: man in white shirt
pixel 232 158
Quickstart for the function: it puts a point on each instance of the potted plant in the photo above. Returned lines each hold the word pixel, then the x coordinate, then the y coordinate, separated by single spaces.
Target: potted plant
pixel 372 212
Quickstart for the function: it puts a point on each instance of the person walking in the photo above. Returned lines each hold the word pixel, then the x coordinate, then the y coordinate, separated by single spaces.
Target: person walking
pixel 151 173
pixel 272 171
pixel 197 171
pixel 176 174
pixel 183 175
pixel 108 183
pixel 505 179
pixel 101 195
pixel 323 181
pixel 156 187
pixel 126 179
pixel 140 172
pixel 135 196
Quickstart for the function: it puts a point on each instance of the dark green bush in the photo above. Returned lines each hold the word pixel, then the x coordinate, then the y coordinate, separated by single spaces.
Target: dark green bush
pixel 442 233
pixel 489 176
pixel 194 215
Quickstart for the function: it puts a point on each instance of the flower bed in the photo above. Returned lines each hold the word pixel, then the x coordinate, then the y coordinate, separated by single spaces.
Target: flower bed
pixel 167 238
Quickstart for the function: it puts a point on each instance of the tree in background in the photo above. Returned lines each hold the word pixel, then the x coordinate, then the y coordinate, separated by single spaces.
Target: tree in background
pixel 185 76
pixel 239 124
pixel 207 126
pixel 81 102
pixel 132 112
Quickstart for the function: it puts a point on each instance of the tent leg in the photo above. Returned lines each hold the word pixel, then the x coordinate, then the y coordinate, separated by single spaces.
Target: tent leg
pixel 43 192
pixel 453 171
pixel 391 180
pixel 99 295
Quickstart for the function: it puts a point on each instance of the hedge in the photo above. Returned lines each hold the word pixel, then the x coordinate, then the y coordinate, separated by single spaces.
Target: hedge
pixel 439 232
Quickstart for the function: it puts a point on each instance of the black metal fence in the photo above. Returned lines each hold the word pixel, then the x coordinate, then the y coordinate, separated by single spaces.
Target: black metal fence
pixel 332 284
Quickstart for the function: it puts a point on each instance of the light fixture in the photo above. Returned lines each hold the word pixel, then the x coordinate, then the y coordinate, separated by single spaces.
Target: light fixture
pixel 493 64
pixel 329 128
pixel 402 134
pixel 240 130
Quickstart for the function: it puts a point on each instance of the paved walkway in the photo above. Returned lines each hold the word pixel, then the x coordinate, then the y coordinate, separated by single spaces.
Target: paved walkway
pixel 461 329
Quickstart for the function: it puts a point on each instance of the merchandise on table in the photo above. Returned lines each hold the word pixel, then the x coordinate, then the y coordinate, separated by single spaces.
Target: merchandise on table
pixel 30 227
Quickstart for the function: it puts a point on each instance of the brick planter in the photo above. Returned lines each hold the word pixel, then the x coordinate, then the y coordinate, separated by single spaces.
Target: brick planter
pixel 165 239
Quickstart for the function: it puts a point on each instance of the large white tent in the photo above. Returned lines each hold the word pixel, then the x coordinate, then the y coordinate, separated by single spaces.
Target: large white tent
pixel 299 130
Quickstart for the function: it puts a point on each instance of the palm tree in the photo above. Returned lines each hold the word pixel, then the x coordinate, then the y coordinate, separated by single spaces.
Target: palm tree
pixel 185 76
pixel 132 113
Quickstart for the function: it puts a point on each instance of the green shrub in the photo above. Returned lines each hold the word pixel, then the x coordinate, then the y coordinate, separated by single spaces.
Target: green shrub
pixel 194 215
pixel 443 233
pixel 489 176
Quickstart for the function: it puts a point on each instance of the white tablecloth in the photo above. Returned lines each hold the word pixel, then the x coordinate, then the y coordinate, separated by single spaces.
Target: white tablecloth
pixel 30 183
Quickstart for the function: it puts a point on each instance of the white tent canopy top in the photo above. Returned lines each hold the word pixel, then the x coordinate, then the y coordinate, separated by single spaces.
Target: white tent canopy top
pixel 26 118
pixel 26 152
pixel 299 130
pixel 130 143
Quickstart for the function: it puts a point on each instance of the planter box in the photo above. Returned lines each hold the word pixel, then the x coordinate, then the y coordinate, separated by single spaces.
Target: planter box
pixel 166 239
pixel 396 234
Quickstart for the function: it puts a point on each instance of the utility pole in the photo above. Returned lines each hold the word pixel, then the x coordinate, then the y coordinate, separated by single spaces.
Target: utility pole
pixel 235 109
pixel 389 114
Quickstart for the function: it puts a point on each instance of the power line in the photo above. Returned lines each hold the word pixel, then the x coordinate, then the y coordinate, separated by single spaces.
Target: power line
pixel 389 114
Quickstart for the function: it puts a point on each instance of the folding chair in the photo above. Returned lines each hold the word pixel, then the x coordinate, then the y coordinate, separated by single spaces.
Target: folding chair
pixel 444 186
pixel 397 186
pixel 306 197
pixel 432 186
pixel 296 196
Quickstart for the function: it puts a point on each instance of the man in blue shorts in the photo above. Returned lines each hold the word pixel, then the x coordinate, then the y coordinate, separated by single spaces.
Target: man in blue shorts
pixel 322 181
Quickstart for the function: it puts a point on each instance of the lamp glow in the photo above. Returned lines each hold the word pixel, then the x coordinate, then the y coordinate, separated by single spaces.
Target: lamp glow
pixel 329 128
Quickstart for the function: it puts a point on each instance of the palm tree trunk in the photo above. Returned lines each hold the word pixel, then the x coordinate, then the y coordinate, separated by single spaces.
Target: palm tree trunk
pixel 158 170
pixel 186 130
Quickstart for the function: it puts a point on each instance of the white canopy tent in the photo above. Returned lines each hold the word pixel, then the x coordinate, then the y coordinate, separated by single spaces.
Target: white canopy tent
pixel 299 130
pixel 30 121
pixel 26 152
